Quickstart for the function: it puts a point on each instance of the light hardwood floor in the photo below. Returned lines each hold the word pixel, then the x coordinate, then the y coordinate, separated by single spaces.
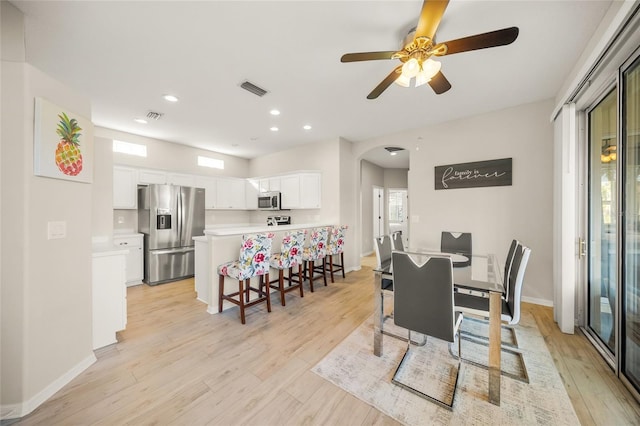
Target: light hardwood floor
pixel 176 364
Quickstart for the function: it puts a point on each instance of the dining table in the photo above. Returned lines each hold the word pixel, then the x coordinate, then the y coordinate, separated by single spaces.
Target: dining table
pixel 482 275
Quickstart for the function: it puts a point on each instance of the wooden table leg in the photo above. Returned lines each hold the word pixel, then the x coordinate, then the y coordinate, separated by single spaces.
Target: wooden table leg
pixel 377 314
pixel 495 310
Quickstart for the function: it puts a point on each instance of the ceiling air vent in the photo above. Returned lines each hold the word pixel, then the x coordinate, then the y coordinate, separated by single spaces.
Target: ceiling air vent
pixel 154 115
pixel 393 149
pixel 247 85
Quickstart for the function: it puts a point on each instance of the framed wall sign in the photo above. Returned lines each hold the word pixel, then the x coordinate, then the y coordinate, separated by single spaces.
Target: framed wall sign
pixel 474 175
pixel 63 143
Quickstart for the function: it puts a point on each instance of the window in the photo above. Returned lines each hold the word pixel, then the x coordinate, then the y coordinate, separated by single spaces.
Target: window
pixel 210 162
pixel 129 148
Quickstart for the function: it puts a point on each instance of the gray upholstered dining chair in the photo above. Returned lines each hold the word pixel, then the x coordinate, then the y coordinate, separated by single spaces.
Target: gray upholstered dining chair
pixel 423 303
pixel 396 241
pixel 458 243
pixel 383 257
pixel 479 306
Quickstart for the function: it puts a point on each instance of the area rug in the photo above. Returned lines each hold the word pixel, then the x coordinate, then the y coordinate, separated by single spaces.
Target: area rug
pixel 352 366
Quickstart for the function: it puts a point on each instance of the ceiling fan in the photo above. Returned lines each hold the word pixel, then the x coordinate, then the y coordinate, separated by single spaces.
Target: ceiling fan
pixel 420 46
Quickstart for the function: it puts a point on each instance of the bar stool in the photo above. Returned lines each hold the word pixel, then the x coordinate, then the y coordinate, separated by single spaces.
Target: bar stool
pixel 254 259
pixel 316 250
pixel 335 248
pixel 290 255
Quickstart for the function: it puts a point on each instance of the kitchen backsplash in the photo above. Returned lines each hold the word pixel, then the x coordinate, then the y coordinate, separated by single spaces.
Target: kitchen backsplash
pixel 127 220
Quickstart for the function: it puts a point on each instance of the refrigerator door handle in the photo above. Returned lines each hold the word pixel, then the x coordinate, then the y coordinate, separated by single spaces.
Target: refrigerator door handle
pixel 180 214
pixel 171 251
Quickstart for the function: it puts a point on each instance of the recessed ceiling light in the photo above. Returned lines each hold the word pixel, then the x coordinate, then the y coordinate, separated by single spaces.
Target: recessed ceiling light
pixel 274 112
pixel 274 129
pixel 140 120
pixel 170 98
pixel 394 153
pixel 306 127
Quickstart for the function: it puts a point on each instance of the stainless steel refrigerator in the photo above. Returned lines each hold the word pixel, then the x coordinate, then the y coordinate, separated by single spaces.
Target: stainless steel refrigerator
pixel 169 216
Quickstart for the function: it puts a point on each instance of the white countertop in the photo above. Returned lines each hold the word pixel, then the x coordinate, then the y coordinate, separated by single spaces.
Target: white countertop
pixel 240 230
pixel 126 234
pixel 100 249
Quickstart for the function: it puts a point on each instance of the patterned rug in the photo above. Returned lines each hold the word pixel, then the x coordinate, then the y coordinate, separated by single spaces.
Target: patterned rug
pixel 353 367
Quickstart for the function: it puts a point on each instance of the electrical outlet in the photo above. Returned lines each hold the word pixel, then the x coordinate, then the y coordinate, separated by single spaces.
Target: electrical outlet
pixel 56 230
pixel 120 220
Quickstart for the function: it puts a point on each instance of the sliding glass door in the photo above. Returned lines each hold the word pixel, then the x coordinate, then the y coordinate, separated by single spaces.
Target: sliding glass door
pixel 613 288
pixel 603 213
pixel 630 331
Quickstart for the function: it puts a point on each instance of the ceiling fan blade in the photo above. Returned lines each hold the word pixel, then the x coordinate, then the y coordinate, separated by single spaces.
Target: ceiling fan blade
pixel 482 41
pixel 393 76
pixel 430 17
pixel 367 56
pixel 439 83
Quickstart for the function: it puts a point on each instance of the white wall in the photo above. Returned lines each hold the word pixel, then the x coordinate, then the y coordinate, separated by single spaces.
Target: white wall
pixel 46 284
pixel 494 215
pixel 161 155
pixel 323 157
pixel 396 178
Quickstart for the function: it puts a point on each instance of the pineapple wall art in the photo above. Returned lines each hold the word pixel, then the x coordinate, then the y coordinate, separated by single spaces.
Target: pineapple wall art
pixel 63 143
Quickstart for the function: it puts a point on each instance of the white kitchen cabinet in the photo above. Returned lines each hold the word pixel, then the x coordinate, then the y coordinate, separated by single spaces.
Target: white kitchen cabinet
pixel 310 190
pixel 134 259
pixel 125 184
pixel 147 176
pixel 251 194
pixel 210 190
pixel 181 179
pixel 263 185
pixel 290 191
pixel 230 194
pixel 109 296
pixel 274 184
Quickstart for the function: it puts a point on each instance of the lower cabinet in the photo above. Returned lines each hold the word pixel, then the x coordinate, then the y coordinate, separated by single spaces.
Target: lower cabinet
pixel 134 244
pixel 109 296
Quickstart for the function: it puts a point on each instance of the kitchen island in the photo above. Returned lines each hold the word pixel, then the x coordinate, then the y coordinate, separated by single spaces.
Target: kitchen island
pixel 222 244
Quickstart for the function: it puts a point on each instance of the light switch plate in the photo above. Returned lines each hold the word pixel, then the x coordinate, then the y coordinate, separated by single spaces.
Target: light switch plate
pixel 56 230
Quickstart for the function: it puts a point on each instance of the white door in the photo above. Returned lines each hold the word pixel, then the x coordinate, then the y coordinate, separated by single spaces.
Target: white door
pixel 378 211
pixel 399 213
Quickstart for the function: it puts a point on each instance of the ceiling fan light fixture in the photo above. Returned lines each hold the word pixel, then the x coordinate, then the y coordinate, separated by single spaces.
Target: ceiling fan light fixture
pixel 403 81
pixel 428 69
pixel 411 68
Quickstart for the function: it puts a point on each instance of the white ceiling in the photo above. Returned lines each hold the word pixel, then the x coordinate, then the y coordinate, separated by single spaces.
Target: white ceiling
pixel 125 55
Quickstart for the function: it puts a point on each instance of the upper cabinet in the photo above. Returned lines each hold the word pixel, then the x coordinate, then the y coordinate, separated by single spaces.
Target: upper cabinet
pixel 125 184
pixel 310 190
pixel 230 194
pixel 251 194
pixel 299 190
pixel 146 177
pixel 290 191
pixel 181 179
pixel 210 189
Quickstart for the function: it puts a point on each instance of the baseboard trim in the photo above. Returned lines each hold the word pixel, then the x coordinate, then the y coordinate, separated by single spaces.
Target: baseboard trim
pixel 13 411
pixel 367 253
pixel 537 301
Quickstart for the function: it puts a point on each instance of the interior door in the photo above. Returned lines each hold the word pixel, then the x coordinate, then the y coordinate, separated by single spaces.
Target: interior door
pixel 398 213
pixel 378 211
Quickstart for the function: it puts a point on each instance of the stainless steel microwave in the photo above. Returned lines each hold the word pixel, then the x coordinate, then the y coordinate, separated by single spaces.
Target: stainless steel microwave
pixel 269 201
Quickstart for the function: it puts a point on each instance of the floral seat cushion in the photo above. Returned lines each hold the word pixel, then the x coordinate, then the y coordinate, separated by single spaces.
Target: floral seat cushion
pixel 291 251
pixel 255 255
pixel 336 243
pixel 317 248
